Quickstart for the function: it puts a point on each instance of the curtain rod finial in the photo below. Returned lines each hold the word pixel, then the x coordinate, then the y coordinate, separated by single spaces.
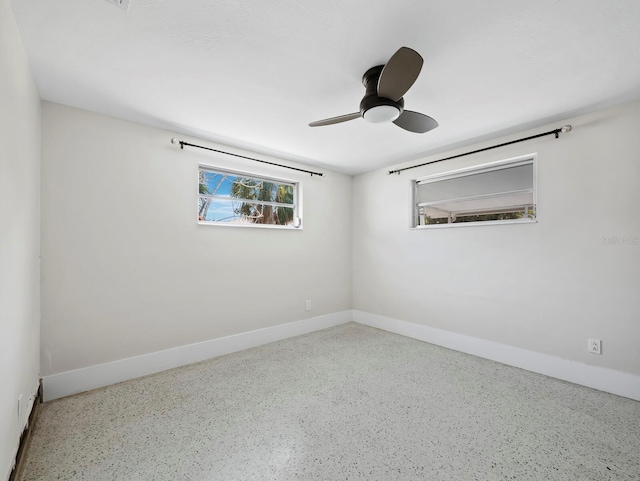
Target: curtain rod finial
pixel 566 128
pixel 174 141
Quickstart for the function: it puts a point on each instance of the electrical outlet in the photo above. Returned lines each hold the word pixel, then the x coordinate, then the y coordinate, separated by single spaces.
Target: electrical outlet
pixel 307 305
pixel 595 346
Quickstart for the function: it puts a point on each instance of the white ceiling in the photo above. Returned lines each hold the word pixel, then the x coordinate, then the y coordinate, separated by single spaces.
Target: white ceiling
pixel 253 74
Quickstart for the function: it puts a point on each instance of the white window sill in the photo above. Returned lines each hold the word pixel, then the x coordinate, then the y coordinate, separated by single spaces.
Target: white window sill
pixel 250 226
pixel 474 224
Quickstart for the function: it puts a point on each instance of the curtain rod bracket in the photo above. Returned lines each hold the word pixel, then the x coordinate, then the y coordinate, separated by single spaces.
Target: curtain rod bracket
pixel 175 141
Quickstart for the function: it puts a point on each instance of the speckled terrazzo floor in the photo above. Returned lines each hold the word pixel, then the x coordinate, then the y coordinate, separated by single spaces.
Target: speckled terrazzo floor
pixel 346 403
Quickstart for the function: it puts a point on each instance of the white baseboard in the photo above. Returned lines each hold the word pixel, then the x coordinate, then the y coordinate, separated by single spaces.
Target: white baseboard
pixel 604 379
pixel 73 382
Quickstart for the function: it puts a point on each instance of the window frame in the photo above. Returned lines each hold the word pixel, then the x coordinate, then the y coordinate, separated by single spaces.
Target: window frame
pixel 296 206
pixel 476 169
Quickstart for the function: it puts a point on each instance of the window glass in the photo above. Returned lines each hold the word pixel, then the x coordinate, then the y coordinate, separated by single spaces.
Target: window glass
pixel 502 191
pixel 234 198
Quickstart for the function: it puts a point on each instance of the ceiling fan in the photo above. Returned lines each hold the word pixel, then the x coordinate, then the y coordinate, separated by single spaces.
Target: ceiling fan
pixel 385 86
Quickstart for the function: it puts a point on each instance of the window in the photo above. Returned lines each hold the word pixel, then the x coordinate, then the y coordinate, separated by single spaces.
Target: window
pixel 234 198
pixel 498 192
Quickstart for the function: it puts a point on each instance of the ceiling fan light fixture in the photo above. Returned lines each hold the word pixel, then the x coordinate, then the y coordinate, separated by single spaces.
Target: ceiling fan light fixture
pixel 383 101
pixel 381 113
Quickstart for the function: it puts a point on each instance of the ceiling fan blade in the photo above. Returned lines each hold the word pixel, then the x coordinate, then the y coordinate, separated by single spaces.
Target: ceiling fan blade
pixel 399 74
pixel 335 120
pixel 415 122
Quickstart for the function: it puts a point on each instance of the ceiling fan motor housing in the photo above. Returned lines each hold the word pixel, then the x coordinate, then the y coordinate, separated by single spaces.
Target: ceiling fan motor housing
pixel 371 98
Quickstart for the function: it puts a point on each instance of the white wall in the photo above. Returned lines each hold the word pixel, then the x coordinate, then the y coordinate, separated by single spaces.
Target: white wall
pixel 126 268
pixel 545 287
pixel 19 237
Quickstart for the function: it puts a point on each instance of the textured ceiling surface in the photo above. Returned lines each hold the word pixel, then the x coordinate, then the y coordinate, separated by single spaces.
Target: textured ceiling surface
pixel 253 74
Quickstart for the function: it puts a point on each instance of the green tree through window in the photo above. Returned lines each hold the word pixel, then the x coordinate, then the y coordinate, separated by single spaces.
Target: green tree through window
pixel 263 191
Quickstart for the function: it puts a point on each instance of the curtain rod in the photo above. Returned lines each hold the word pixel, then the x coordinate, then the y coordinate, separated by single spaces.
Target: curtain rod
pixel 566 128
pixel 182 143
